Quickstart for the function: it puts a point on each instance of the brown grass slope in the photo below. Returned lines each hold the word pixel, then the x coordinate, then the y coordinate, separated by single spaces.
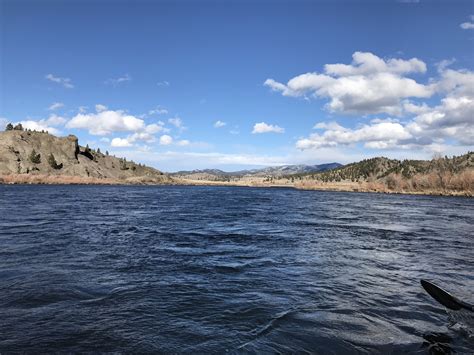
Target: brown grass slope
pixel 38 157
pixel 441 175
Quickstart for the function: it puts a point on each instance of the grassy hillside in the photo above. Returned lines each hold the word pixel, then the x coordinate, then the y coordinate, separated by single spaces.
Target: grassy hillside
pixel 33 156
pixel 439 174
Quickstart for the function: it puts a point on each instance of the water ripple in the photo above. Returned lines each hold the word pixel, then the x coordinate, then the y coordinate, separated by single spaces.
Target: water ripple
pixel 239 270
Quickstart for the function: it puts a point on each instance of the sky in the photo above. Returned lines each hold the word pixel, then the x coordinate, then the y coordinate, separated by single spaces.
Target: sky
pixel 183 85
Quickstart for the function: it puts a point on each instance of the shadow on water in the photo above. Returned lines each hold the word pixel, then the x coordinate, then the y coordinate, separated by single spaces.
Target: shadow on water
pixel 437 343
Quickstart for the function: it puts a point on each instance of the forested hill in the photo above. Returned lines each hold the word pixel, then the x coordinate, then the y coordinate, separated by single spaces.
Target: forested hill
pixel 381 167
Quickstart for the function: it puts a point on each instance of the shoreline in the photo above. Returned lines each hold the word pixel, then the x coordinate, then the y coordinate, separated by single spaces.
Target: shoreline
pixel 23 179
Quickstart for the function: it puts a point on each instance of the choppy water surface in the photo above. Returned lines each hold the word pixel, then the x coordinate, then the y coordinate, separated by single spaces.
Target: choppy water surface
pixel 215 269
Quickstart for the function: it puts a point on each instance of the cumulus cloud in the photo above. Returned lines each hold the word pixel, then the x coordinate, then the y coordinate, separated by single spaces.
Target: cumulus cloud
pixel 219 124
pixel 368 85
pixel 119 80
pixel 166 140
pixel 120 142
pixel 106 122
pixel 49 124
pixel 65 82
pixel 451 119
pixel 55 106
pixel 366 63
pixel 376 135
pixel 263 127
pixel 146 136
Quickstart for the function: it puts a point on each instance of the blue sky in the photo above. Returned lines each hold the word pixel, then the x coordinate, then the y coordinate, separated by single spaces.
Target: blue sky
pixel 238 84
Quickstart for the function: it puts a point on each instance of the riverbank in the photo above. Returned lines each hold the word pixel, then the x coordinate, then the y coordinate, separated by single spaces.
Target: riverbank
pixel 39 179
pixel 343 186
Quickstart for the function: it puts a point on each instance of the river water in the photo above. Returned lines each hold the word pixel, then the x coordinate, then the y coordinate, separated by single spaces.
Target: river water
pixel 177 269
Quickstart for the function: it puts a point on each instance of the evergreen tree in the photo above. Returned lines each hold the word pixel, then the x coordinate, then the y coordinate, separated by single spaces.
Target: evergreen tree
pixel 35 158
pixel 9 127
pixel 18 127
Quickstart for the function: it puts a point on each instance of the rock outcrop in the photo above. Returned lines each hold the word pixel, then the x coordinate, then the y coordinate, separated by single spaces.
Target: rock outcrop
pixel 38 153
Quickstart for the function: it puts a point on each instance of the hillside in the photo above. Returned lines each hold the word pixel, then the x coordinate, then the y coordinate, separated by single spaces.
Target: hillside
pixel 381 167
pixel 441 175
pixel 29 156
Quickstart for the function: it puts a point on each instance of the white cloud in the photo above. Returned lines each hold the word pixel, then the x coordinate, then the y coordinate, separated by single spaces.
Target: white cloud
pixel 153 128
pixel 219 124
pixel 158 111
pixel 377 135
pixel 468 25
pixel 48 124
pixel 55 120
pixel 443 64
pixel 263 127
pixel 452 119
pixel 119 80
pixel 163 83
pixel 55 106
pixel 177 122
pixel 183 143
pixel 106 122
pixel 366 63
pixel 147 135
pixel 166 140
pixel 120 142
pixel 369 85
pixel 66 82
pixel 456 82
pixel 100 108
pixel 3 122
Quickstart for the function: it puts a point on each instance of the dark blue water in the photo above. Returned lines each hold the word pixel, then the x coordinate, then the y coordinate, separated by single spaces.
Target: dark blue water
pixel 215 269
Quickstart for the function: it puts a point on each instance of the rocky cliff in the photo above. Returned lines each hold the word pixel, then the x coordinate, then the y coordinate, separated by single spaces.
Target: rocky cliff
pixel 37 153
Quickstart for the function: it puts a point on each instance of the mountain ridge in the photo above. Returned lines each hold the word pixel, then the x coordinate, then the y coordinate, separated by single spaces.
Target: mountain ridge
pixel 281 170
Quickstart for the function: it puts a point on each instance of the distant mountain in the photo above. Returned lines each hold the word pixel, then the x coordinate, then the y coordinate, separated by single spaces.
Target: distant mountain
pixel 274 171
pixel 290 169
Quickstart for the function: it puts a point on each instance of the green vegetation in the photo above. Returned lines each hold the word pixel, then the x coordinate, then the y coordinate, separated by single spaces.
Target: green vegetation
pixel 9 127
pixel 123 164
pixel 35 158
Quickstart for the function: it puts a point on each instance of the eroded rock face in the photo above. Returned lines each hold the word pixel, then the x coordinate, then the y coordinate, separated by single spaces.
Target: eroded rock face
pixel 16 149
